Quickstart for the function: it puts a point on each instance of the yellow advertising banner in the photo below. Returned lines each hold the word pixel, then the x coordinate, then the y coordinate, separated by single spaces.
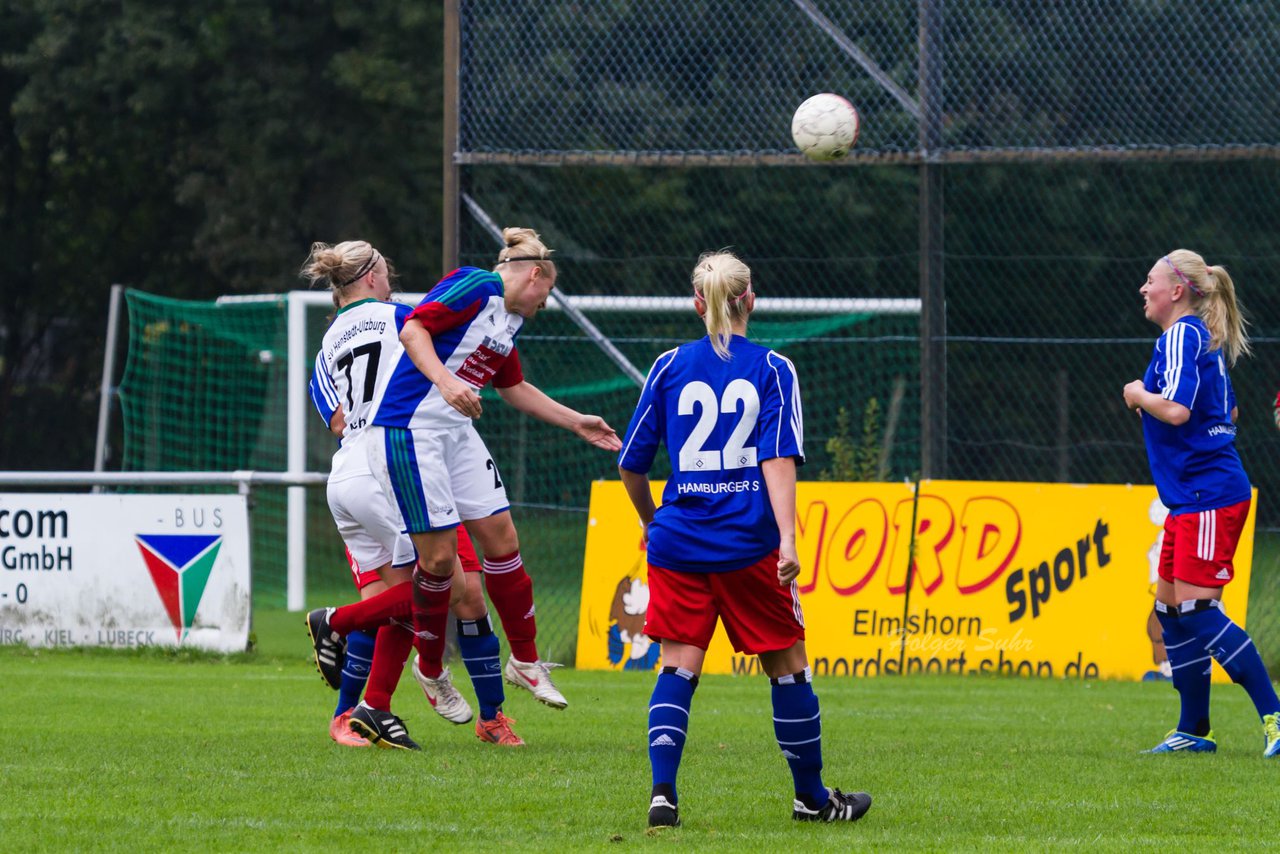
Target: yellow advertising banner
pixel 1023 579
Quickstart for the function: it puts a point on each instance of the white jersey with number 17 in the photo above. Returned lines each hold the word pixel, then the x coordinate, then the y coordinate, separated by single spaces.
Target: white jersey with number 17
pixel 359 349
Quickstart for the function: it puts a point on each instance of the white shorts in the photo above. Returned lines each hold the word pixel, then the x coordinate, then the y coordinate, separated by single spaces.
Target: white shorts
pixel 439 477
pixel 370 526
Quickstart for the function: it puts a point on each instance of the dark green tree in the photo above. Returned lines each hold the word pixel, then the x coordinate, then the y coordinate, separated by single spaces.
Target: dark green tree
pixel 193 150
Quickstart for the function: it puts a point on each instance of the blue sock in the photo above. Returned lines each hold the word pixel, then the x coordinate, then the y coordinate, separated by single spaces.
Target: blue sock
pixel 669 726
pixel 1191 670
pixel 1232 647
pixel 797 723
pixel 356 671
pixel 482 658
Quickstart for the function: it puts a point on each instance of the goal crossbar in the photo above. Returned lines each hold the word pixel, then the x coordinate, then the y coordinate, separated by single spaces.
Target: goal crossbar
pixel 645 304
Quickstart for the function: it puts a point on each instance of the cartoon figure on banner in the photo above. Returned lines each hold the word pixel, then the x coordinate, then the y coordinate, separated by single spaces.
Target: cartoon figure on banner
pixel 1157 513
pixel 627 641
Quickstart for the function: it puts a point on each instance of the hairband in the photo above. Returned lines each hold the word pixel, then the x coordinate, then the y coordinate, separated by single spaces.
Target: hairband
pixel 365 268
pixel 524 258
pixel 739 298
pixel 1195 290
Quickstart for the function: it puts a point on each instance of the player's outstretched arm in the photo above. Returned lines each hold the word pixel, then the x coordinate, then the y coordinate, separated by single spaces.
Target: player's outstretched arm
pixel 780 481
pixel 417 343
pixel 532 401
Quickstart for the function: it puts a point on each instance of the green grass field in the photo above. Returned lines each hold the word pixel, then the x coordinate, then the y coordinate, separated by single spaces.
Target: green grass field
pixel 160 751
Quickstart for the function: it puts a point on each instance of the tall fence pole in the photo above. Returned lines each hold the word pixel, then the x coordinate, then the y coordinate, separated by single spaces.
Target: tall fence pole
pixel 933 307
pixel 450 215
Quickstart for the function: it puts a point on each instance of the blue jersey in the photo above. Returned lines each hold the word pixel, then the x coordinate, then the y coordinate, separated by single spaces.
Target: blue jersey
pixel 1195 465
pixel 474 337
pixel 719 421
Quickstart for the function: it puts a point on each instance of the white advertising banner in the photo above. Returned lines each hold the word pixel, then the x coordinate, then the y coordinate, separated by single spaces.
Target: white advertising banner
pixel 125 570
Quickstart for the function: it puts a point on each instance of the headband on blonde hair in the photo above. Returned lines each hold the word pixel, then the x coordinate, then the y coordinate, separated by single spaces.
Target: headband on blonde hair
pixel 1186 281
pixel 524 258
pixel 364 269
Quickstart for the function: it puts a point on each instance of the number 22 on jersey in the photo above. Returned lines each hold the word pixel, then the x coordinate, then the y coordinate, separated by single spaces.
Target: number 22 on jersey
pixel 699 398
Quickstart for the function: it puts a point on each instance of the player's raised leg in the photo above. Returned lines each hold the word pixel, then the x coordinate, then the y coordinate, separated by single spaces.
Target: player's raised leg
pixel 1233 649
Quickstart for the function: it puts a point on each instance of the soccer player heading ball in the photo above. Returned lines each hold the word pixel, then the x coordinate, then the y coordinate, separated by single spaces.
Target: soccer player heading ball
pixel 425 451
pixel 358 352
pixel 1188 411
pixel 723 545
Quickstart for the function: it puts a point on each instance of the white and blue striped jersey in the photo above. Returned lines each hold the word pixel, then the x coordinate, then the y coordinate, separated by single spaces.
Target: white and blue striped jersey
pixel 475 338
pixel 1195 465
pixel 719 420
pixel 360 348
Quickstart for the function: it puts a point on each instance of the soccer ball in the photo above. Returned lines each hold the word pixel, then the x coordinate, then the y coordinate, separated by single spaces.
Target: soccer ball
pixel 825 127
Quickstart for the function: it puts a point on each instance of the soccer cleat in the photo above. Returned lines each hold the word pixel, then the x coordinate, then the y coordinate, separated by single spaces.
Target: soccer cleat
pixel 382 728
pixel 535 676
pixel 340 731
pixel 498 731
pixel 1271 731
pixel 1177 742
pixel 663 813
pixel 839 807
pixel 443 697
pixel 329 648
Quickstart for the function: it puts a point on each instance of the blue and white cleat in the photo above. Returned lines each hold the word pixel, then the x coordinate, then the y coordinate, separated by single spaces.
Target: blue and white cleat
pixel 1271 730
pixel 1184 742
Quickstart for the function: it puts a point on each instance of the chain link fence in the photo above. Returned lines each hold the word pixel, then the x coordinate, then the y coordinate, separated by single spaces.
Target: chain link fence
pixel 1018 78
pixel 1021 166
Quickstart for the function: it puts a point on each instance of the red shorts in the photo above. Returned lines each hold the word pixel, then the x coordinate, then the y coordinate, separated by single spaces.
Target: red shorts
pixel 361 577
pixel 1199 547
pixel 760 615
pixel 467 552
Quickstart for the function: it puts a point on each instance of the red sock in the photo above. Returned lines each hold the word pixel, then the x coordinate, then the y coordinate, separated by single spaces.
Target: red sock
pixel 430 620
pixel 511 590
pixel 376 611
pixel 390 651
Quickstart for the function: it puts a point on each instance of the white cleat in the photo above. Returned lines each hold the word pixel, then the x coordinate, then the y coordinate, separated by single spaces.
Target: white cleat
pixel 443 697
pixel 535 676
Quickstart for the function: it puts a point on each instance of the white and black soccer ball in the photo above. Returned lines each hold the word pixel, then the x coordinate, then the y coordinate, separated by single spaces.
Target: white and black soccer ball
pixel 825 127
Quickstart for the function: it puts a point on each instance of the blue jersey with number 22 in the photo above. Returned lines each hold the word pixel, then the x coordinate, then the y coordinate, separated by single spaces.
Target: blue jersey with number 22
pixel 719 419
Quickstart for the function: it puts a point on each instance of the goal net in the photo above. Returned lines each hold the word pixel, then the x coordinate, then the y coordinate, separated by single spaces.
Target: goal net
pixel 206 387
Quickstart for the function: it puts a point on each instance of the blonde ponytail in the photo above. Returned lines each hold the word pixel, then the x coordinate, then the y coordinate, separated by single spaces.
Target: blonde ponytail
pixel 1214 300
pixel 722 281
pixel 336 267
